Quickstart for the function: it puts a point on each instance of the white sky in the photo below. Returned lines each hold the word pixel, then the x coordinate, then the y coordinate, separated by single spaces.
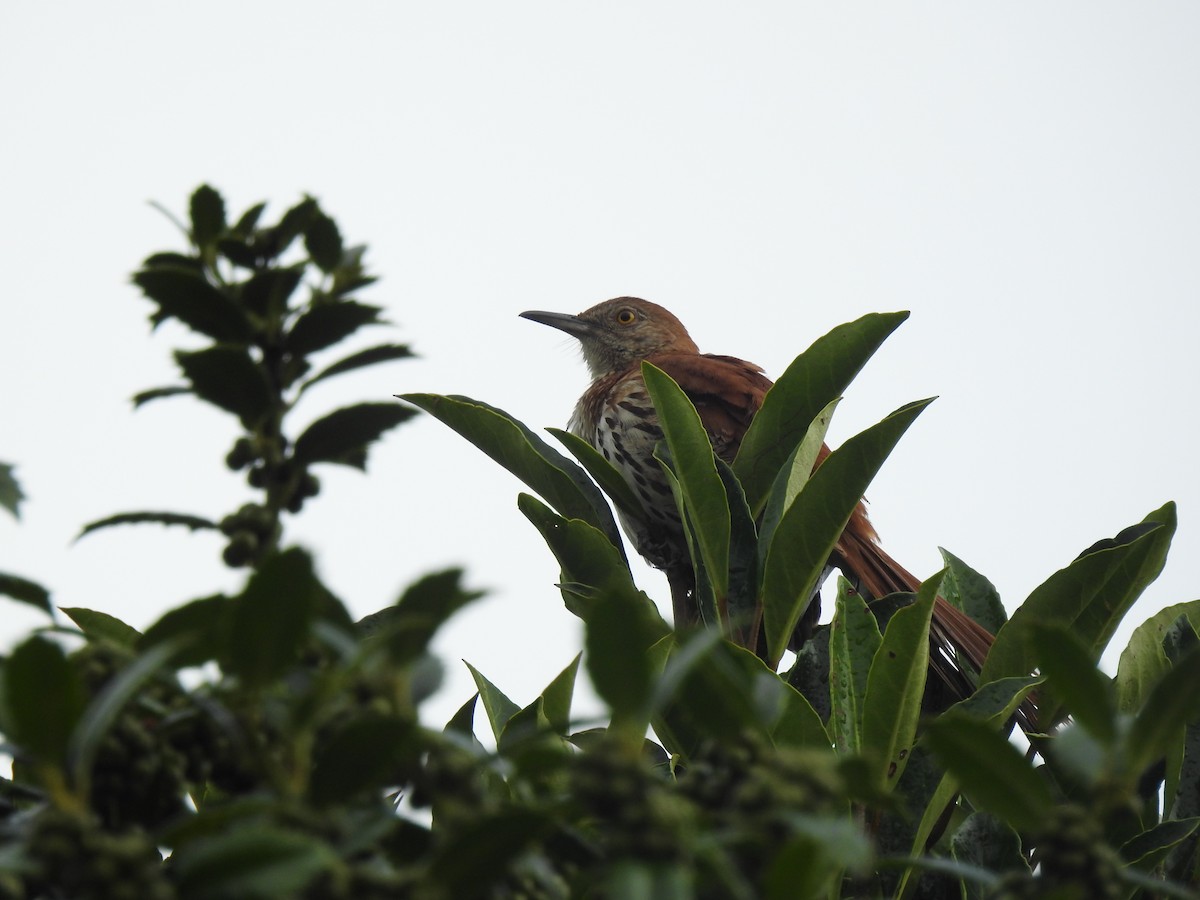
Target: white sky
pixel 1023 177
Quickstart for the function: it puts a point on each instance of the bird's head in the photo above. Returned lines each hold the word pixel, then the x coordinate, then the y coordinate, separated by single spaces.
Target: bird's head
pixel 618 334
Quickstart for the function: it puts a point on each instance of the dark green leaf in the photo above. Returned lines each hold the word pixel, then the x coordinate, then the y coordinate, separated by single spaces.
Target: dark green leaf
pixel 187 296
pixel 621 628
pixel 43 699
pixel 271 618
pixel 896 684
pixel 101 626
pixel 997 700
pixel 344 435
pixel 742 608
pixel 199 628
pixel 1090 596
pixel 812 525
pixel 811 382
pixel 266 292
pixel 497 705
pixel 821 850
pixel 26 591
pixel 239 252
pixel 1072 675
pixel 793 476
pixel 323 242
pixel 556 698
pixel 245 225
pixel 1144 661
pixel 604 473
pixel 694 466
pixel 1172 704
pixel 255 862
pixel 208 215
pixel 10 491
pixel 359 360
pixel 228 378
pixel 275 240
pixel 1151 847
pixel 158 394
pixel 987 842
pixel 798 724
pixel 192 523
pixel 993 773
pixel 174 261
pixel 854 638
pixel 562 483
pixel 368 753
pixel 463 721
pixel 941 799
pixel 409 626
pixel 972 593
pixel 324 324
pixel 480 854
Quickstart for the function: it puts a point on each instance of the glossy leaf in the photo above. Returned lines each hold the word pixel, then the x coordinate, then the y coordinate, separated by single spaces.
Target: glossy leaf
pixel 812 525
pixel 1090 596
pixel 854 639
pixel 972 593
pixel 1071 673
pixel 695 469
pixel 10 490
pixel 324 324
pixel 558 480
pixel 813 380
pixel 207 214
pixel 101 626
pixel 343 436
pixel 188 296
pixel 896 684
pixel 496 704
pixel 228 378
pixel 993 773
pixel 271 618
pixel 323 242
pixel 43 699
pixel 363 358
pixel 192 523
pixel 26 591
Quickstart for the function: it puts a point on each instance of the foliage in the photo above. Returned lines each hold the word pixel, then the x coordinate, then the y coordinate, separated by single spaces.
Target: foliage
pixel 269 746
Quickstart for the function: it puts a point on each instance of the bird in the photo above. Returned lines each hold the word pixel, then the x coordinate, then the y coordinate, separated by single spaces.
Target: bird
pixel 616 416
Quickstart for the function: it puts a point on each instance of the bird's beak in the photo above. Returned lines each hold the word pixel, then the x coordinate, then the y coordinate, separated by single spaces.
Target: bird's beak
pixel 572 325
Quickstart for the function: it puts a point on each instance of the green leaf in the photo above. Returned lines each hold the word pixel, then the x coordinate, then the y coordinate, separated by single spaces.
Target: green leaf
pixel 245 225
pixel 343 436
pixel 989 843
pixel 208 215
pixel 1072 675
pixel 808 531
pixel 558 480
pixel 814 379
pixel 274 241
pixel 26 591
pixel 409 626
pixel 192 523
pixel 199 628
pixel 368 753
pixel 604 473
pixel 479 854
pixel 187 296
pixel 323 242
pixel 363 358
pixel 1090 596
pixel 694 465
pixel 896 684
pixel 496 704
pixel 324 324
pixel 1144 661
pixel 854 638
pixel 743 612
pixel 228 378
pixel 1172 704
pixel 621 628
pixel 266 292
pixel 10 491
pixel 144 397
pixel 43 699
pixel 798 724
pixel 556 698
pixel 1148 849
pixel 993 773
pixel 585 555
pixel 810 862
pixel 996 701
pixel 270 619
pixel 254 861
pixel 463 721
pixel 793 476
pixel 168 260
pixel 942 798
pixel 972 593
pixel 101 626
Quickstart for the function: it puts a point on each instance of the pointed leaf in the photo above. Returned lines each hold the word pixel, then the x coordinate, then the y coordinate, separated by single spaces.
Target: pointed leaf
pixel 854 638
pixel 812 525
pixel 896 684
pixel 558 480
pixel 363 358
pixel 228 378
pixel 621 628
pixel 426 605
pixel 1148 849
pixel 993 773
pixel 498 707
pixel 695 469
pixel 603 472
pixel 101 626
pixel 556 698
pixel 144 397
pixel 249 219
pixel 1075 681
pixel 814 379
pixel 10 491
pixel 343 436
pixel 323 242
pixel 26 591
pixel 463 721
pixel 192 523
pixel 794 475
pixel 271 618
pixel 199 628
pixel 972 593
pixel 208 215
pixel 323 325
pixel 187 296
pixel 43 699
pixel 1090 596
pixel 1172 704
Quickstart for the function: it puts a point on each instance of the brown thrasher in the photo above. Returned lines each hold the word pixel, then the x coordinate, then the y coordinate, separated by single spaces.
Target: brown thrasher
pixel 615 415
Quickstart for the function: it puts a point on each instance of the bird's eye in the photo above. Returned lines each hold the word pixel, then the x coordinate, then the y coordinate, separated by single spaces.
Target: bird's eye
pixel 626 316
